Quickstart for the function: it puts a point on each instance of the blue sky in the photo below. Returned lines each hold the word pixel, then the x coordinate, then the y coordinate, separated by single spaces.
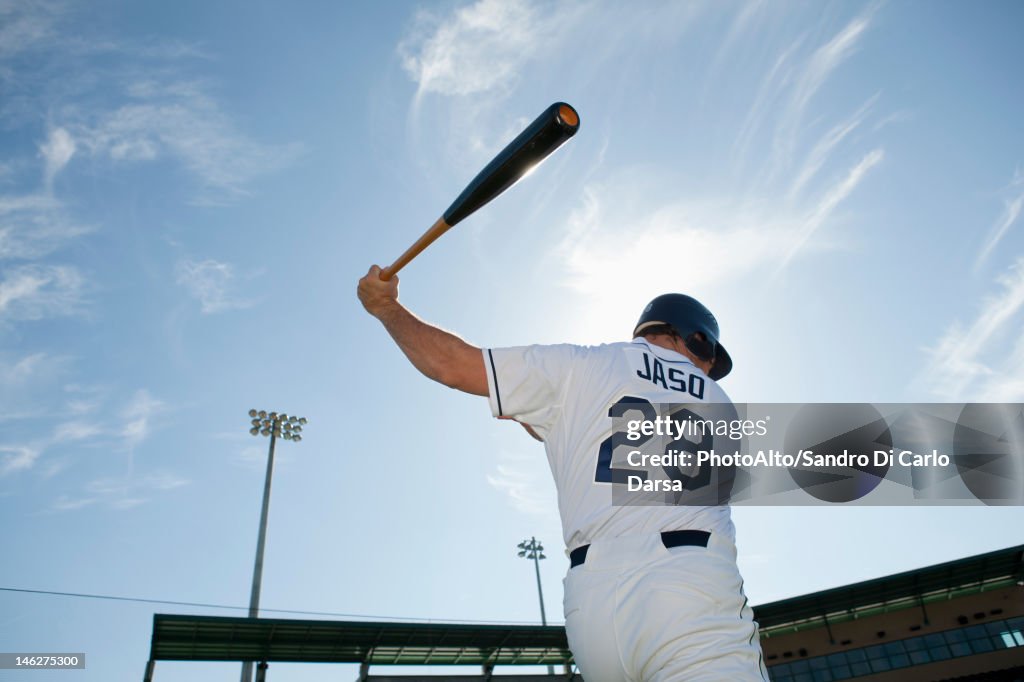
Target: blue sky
pixel 190 191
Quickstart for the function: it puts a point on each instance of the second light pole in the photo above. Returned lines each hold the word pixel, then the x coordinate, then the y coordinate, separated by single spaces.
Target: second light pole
pixel 531 549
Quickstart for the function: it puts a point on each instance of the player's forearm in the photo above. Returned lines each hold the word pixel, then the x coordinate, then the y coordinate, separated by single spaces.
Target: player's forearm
pixel 438 354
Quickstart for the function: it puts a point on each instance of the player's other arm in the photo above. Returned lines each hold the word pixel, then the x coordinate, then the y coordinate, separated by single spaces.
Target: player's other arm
pixel 438 354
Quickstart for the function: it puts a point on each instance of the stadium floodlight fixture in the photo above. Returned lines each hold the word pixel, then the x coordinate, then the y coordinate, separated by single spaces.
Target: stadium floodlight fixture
pixel 532 549
pixel 255 431
pixel 277 423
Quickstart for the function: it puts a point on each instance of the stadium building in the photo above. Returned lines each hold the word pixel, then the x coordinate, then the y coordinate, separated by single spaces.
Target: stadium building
pixel 961 621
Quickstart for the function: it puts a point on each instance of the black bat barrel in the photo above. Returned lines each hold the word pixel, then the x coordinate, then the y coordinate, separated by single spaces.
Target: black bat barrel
pixel 557 124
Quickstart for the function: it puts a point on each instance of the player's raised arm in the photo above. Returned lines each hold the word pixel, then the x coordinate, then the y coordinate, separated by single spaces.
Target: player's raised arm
pixel 440 355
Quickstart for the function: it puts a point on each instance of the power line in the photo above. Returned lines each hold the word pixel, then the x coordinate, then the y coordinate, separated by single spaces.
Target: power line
pixel 167 602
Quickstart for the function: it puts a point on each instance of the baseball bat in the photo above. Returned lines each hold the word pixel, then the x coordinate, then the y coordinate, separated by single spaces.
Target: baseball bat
pixel 557 124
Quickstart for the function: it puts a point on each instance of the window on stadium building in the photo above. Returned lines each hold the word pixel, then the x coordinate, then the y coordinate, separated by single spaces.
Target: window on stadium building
pixel 940 646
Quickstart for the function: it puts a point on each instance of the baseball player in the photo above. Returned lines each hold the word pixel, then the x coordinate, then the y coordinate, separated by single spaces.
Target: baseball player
pixel 653 593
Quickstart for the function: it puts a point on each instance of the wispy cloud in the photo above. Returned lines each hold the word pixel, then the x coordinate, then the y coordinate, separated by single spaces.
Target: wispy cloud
pixel 620 228
pixel 524 482
pixel 827 204
pixel 137 417
pixel 825 60
pixel 79 422
pixel 143 106
pixel 22 370
pixel 76 431
pixel 488 45
pixel 788 88
pixel 15 458
pixel 25 381
pixel 83 400
pixel 125 429
pixel 742 22
pixel 61 450
pixel 119 494
pixel 795 184
pixel 33 292
pixel 211 283
pixel 722 240
pixel 179 119
pixel 34 223
pixel 1008 385
pixel 163 480
pixel 468 60
pixel 769 94
pixel 66 504
pixel 824 147
pixel 251 457
pixel 56 153
pixel 1007 219
pixel 482 47
pixel 25 25
pixel 33 226
pixel 971 362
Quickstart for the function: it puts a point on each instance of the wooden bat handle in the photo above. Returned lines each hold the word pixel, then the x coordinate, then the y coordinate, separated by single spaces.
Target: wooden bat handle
pixel 435 231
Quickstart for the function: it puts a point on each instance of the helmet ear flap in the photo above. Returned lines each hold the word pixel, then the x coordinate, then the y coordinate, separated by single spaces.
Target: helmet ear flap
pixel 700 346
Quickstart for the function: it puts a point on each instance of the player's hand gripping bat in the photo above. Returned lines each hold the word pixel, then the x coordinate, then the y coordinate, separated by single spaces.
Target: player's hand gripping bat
pixel 557 124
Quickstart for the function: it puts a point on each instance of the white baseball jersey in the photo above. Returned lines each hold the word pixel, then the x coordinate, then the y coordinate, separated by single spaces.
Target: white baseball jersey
pixel 564 392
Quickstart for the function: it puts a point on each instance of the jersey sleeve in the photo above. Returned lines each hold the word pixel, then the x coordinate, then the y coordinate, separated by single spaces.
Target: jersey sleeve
pixel 528 383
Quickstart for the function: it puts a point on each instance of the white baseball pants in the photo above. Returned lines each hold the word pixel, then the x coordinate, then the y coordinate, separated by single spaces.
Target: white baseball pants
pixel 636 611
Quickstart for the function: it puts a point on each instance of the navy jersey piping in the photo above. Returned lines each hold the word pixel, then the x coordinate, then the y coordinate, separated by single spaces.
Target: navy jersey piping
pixel 494 375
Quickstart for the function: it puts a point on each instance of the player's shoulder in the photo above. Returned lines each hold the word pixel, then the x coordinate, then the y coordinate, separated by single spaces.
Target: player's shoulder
pixel 610 347
pixel 602 351
pixel 574 349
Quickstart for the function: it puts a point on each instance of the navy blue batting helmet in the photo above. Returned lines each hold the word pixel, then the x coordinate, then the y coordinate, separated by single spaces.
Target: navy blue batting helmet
pixel 687 316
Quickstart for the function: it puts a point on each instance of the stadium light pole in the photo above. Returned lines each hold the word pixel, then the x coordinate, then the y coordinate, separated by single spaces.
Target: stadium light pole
pixel 531 549
pixel 276 426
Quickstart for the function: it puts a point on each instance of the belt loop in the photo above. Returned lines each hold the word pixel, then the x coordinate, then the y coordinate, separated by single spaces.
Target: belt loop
pixel 578 556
